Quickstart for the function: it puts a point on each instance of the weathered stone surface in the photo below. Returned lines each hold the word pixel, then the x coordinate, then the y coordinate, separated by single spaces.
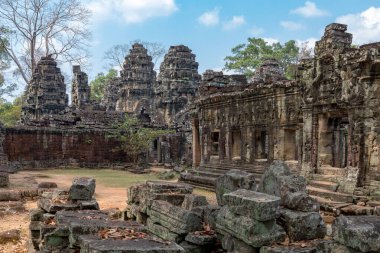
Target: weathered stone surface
pixel 10 195
pixel 288 249
pixel 93 244
pixel 4 179
pixel 278 181
pixel 80 90
pixel 174 218
pixel 302 225
pixel 232 181
pixel 50 206
pixel 300 201
pixel 209 214
pixel 83 188
pixel 358 232
pixel 252 232
pixel 254 205
pixel 191 201
pixel 164 232
pixel 201 239
pixel 234 245
pixel 330 246
pixel 36 214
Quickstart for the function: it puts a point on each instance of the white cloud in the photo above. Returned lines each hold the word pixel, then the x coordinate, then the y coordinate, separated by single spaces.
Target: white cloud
pixel 234 23
pixel 365 26
pixel 291 26
pixel 131 11
pixel 256 31
pixel 310 10
pixel 210 18
pixel 271 41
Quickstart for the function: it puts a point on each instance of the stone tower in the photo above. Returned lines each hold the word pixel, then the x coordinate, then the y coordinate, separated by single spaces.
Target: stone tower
pixel 178 82
pixel 137 79
pixel 46 92
pixel 80 91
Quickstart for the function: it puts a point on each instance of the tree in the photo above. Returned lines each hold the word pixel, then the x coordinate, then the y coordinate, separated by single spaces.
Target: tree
pixel 135 140
pixel 36 28
pixel 10 112
pixel 5 88
pixel 99 84
pixel 247 57
pixel 116 54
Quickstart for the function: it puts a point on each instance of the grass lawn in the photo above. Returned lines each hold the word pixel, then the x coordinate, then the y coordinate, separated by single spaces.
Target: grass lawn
pixel 106 177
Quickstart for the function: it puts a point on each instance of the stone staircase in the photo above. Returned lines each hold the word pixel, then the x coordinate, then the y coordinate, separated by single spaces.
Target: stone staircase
pixel 324 186
pixel 205 175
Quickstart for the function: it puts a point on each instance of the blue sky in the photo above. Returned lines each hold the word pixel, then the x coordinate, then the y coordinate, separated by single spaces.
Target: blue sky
pixel 212 27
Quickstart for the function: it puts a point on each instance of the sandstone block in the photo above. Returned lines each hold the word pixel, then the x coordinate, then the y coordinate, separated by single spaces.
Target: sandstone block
pixel 174 218
pixel 253 232
pixel 302 225
pixel 83 188
pixel 255 205
pixel 191 201
pixel 358 232
pixel 300 201
pixel 233 180
pixel 10 195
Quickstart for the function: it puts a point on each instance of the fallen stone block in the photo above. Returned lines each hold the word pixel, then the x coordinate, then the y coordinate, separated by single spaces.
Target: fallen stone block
pixel 253 232
pixel 4 179
pixel 231 181
pixel 149 244
pixel 174 218
pixel 36 214
pixel 201 238
pixel 51 206
pixel 191 201
pixel 278 181
pixel 255 205
pixel 300 201
pixel 10 236
pixel 302 225
pixel 192 248
pixel 163 232
pixel 234 245
pixel 83 188
pixel 10 195
pixel 288 249
pixel 208 213
pixel 330 246
pixel 358 232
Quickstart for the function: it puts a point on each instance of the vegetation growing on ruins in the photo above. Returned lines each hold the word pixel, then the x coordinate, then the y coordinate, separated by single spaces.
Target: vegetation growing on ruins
pixel 10 112
pixel 99 84
pixel 247 57
pixel 135 139
pixel 44 27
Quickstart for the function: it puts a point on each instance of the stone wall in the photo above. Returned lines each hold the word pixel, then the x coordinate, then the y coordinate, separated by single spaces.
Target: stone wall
pixel 44 147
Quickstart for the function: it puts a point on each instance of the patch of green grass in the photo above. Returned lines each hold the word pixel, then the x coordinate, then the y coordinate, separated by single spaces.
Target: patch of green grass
pixel 106 177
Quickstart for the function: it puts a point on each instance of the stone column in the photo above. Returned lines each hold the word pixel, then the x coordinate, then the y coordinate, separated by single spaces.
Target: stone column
pixel 195 145
pixel 307 142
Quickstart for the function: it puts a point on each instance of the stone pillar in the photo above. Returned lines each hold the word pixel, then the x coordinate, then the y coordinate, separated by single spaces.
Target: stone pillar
pixel 228 145
pixel 307 142
pixel 195 144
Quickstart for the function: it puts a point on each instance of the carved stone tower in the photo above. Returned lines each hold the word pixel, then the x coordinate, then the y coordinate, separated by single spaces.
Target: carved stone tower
pixel 80 91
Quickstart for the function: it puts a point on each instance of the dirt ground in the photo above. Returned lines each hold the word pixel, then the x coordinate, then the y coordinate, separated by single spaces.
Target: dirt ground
pixel 107 197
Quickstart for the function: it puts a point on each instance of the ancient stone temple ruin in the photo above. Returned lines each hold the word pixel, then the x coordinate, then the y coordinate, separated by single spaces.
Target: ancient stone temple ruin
pixel 46 91
pixel 80 90
pixel 177 84
pixel 324 124
pixel 137 81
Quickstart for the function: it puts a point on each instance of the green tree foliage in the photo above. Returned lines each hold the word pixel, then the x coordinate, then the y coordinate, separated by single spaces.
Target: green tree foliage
pixel 135 140
pixel 98 85
pixel 10 112
pixel 247 57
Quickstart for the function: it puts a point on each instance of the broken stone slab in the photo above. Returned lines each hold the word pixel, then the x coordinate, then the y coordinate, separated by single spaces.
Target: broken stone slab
pixel 234 245
pixel 255 205
pixel 50 206
pixel 201 239
pixel 302 225
pixel 36 214
pixel 93 244
pixel 192 248
pixel 253 232
pixel 278 181
pixel 232 181
pixel 191 201
pixel 163 232
pixel 47 185
pixel 358 232
pixel 300 201
pixel 330 246
pixel 83 188
pixel 176 219
pixel 4 179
